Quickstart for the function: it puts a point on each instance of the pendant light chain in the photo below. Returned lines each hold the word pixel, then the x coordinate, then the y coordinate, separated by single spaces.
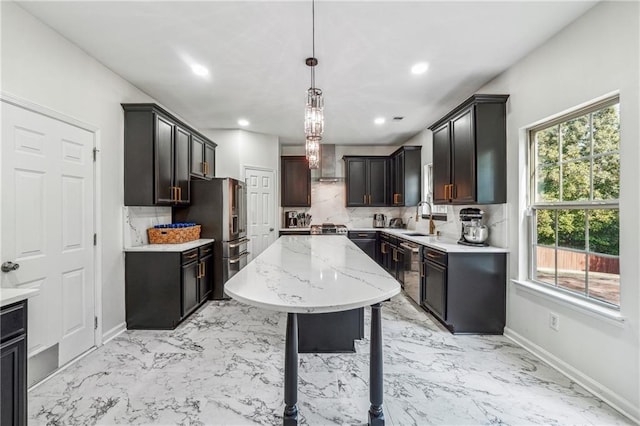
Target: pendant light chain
pixel 314 114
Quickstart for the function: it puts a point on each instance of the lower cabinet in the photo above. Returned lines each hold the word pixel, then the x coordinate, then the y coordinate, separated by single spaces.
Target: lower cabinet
pixel 367 241
pixel 163 288
pixel 465 291
pixel 13 364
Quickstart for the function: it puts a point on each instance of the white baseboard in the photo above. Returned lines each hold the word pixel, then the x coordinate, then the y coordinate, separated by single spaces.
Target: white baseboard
pixel 114 332
pixel 607 395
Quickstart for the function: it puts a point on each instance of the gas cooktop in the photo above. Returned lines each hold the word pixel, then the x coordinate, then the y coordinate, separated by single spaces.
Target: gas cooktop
pixel 328 229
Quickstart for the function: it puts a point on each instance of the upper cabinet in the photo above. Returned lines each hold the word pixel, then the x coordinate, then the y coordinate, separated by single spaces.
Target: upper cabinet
pixel 158 162
pixel 367 181
pixel 406 164
pixel 469 152
pixel 296 181
pixel 202 158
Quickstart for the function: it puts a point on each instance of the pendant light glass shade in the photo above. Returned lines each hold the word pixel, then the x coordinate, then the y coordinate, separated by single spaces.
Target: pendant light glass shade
pixel 314 114
pixel 312 146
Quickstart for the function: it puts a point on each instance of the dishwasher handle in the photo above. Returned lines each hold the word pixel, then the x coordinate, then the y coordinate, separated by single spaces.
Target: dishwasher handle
pixel 411 247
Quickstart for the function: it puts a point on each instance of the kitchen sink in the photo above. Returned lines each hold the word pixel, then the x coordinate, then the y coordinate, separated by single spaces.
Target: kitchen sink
pixel 415 234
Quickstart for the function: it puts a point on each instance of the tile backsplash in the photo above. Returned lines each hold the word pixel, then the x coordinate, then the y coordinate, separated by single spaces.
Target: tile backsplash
pixel 328 205
pixel 138 219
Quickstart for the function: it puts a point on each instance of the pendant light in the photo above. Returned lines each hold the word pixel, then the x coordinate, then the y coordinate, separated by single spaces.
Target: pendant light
pixel 314 109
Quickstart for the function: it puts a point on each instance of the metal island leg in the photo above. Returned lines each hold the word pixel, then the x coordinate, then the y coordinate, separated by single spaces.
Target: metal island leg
pixel 376 416
pixel 291 372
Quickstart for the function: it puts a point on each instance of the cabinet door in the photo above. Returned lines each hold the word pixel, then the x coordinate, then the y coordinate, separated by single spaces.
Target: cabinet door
pixel 189 288
pixel 436 289
pixel 164 191
pixel 209 161
pixel 356 174
pixel 13 382
pixel 182 162
pixel 398 179
pixel 296 182
pixel 463 155
pixel 206 278
pixel 197 156
pixel 441 164
pixel 378 182
pixel 368 246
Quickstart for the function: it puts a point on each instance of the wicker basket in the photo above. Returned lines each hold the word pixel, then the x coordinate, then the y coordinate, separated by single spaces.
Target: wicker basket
pixel 173 235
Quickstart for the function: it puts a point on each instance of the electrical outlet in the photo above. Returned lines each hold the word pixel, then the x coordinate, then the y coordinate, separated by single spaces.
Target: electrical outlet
pixel 554 321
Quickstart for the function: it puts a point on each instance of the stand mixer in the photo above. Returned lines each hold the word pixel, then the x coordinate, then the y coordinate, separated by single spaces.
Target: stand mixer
pixel 474 232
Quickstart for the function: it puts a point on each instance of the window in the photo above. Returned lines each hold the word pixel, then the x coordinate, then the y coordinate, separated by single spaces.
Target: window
pixel 575 183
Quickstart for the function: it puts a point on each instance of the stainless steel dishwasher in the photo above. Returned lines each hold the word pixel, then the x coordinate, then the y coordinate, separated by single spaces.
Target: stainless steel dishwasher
pixel 412 270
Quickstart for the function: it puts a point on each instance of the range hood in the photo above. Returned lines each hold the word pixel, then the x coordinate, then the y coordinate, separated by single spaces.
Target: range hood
pixel 328 164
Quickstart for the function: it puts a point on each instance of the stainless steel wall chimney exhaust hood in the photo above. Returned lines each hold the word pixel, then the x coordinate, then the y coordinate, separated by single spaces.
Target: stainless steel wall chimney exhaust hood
pixel 328 164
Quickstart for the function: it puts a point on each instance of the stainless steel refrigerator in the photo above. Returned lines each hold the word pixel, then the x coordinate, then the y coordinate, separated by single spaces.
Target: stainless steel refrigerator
pixel 220 207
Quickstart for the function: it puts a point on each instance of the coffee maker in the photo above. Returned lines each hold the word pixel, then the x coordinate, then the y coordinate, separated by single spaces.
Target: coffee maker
pixel 474 232
pixel 291 219
pixel 379 220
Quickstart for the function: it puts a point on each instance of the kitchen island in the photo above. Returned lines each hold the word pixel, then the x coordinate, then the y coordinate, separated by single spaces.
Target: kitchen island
pixel 315 275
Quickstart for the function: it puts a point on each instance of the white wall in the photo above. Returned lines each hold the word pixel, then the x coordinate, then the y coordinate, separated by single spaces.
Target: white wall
pixel 40 66
pixel 239 148
pixel 596 55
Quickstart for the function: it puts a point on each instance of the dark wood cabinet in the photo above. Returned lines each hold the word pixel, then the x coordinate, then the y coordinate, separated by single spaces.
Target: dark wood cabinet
pixel 469 152
pixel 157 156
pixel 163 288
pixel 202 158
pixel 13 364
pixel 465 291
pixel 367 181
pixel 367 241
pixel 295 181
pixel 406 172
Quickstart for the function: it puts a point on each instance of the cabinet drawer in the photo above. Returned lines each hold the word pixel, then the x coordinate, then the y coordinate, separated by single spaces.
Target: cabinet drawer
pixel 13 320
pixel 190 255
pixel 362 234
pixel 436 256
pixel 205 250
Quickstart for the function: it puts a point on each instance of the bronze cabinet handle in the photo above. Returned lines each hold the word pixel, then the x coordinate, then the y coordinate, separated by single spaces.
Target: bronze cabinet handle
pixel 179 188
pixel 395 252
pixel 454 192
pixel 383 246
pixel 364 199
pixel 362 235
pixel 422 269
pixel 193 256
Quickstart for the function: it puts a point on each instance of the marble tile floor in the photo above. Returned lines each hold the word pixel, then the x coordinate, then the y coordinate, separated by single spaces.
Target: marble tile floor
pixel 224 366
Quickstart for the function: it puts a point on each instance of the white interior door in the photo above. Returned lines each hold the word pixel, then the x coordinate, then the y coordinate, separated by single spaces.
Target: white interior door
pixel 260 209
pixel 47 227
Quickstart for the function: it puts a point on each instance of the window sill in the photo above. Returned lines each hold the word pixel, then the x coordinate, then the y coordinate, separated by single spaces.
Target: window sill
pixel 611 315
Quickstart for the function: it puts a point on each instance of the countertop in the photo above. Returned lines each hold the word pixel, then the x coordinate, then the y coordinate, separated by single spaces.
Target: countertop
pixel 440 243
pixel 312 274
pixel 171 247
pixel 9 295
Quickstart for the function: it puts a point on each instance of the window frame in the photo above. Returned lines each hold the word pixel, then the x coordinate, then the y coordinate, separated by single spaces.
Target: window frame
pixel 586 205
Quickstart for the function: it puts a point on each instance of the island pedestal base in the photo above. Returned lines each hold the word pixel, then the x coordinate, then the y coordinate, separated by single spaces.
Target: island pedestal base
pixel 375 414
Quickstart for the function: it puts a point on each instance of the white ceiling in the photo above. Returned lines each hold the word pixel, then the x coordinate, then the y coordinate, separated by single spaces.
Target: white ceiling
pixel 255 52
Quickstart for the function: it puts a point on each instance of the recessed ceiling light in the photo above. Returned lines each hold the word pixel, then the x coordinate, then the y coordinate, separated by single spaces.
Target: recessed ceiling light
pixel 379 120
pixel 199 70
pixel 243 122
pixel 420 68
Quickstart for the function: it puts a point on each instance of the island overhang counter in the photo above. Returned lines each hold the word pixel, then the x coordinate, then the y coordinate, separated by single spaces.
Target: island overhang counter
pixel 315 275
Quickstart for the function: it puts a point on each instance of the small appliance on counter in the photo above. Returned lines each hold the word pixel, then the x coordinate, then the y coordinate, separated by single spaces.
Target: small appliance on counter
pixel 329 229
pixel 379 220
pixel 291 219
pixel 474 232
pixel 396 222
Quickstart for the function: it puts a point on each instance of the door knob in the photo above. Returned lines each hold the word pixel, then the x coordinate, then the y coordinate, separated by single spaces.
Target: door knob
pixel 270 229
pixel 9 266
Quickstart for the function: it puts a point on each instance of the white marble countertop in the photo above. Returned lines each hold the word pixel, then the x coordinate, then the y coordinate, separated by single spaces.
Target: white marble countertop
pixel 440 243
pixel 171 247
pixel 312 274
pixel 9 295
